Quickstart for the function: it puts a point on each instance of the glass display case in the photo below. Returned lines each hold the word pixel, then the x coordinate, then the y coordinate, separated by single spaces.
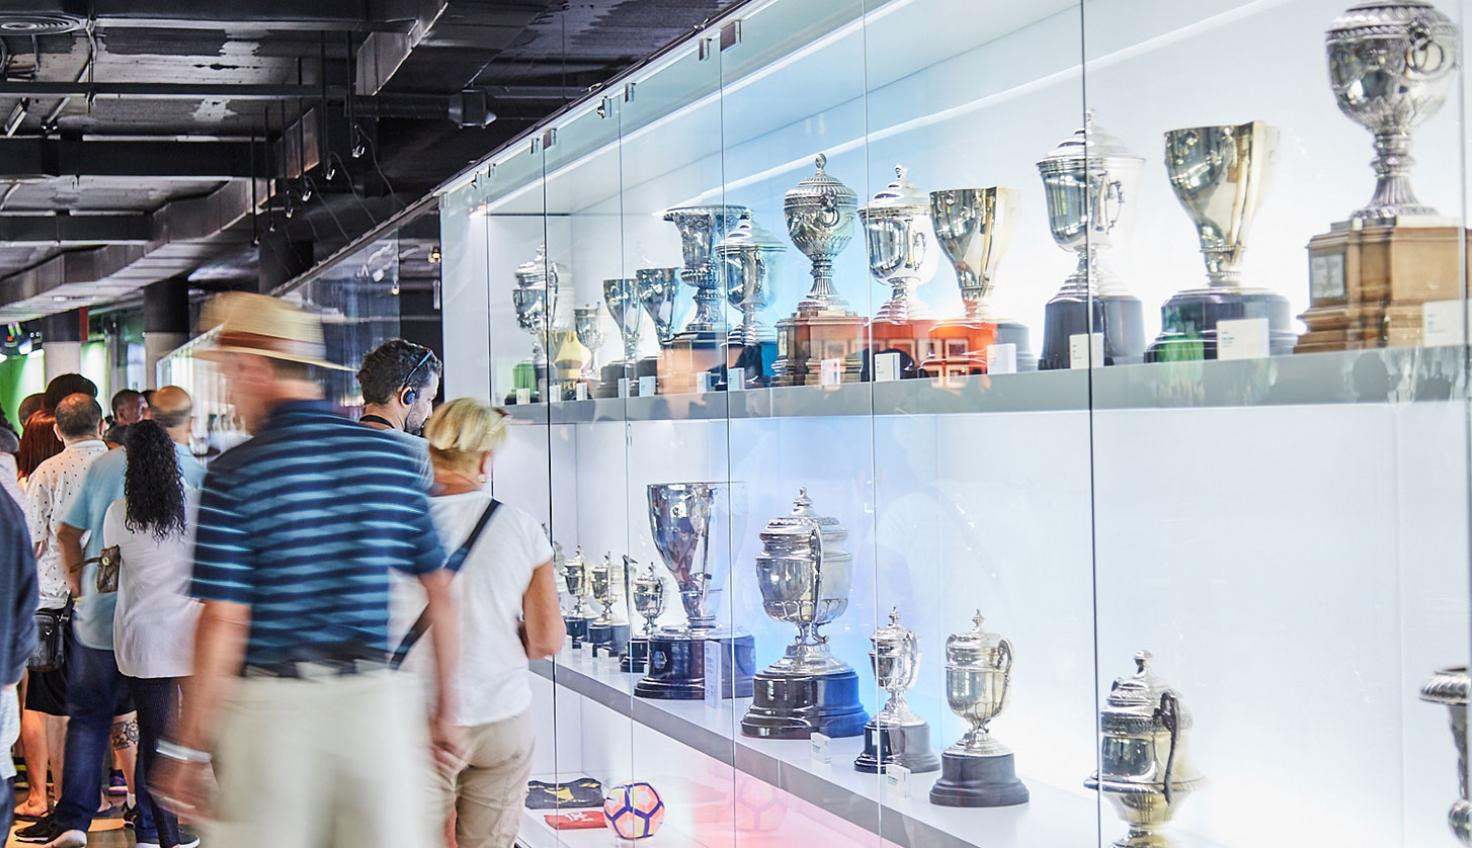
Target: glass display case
pixel 930 461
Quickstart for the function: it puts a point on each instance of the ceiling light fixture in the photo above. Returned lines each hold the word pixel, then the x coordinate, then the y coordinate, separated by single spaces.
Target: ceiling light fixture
pixel 17 115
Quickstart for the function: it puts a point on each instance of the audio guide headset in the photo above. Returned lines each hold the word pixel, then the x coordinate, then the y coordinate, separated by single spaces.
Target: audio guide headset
pixel 409 393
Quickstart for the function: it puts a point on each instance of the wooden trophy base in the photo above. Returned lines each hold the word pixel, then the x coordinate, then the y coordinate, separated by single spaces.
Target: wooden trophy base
pixel 804 341
pixel 910 339
pixel 685 359
pixel 1367 286
pixel 958 349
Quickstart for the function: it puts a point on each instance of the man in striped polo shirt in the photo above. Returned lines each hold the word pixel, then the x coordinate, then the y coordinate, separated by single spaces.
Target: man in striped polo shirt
pixel 298 530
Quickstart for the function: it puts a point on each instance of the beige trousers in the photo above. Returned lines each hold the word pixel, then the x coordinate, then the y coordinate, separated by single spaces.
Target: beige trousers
pixel 488 790
pixel 332 761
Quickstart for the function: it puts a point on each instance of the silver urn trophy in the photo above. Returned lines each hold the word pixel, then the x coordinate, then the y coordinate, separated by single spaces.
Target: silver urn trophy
pixel 747 259
pixel 1089 181
pixel 645 590
pixel 587 323
pixel 1144 766
pixel 1218 173
pixel 978 771
pixel 621 296
pixel 579 590
pixel 1448 687
pixel 701 228
pixel 973 227
pixel 690 523
pixel 609 631
pixel 900 242
pixel 896 735
pixel 805 574
pixel 535 299
pixel 657 290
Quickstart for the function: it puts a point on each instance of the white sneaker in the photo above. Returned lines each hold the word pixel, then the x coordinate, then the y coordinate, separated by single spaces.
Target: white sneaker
pixel 69 839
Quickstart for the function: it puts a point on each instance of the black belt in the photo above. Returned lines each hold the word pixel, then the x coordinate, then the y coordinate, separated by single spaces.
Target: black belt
pixel 320 662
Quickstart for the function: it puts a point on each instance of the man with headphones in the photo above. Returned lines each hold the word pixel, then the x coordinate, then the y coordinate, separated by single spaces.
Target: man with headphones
pixel 400 380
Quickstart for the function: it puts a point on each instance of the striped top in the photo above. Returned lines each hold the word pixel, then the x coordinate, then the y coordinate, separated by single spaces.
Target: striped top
pixel 303 523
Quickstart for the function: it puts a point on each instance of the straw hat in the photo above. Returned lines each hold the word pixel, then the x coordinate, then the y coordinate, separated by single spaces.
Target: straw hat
pixel 264 326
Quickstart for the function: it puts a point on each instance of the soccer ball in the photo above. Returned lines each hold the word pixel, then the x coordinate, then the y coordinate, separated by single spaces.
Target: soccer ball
pixel 634 810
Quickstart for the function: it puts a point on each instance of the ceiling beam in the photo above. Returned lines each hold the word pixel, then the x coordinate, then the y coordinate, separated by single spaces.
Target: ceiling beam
pixel 74 230
pixel 301 15
pixel 40 158
pixel 169 91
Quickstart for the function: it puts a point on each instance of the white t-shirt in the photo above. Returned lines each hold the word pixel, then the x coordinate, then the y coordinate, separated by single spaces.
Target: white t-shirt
pixel 492 681
pixel 153 627
pixel 49 494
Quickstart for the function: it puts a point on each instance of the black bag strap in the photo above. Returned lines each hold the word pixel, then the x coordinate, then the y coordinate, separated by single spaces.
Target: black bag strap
pixel 454 563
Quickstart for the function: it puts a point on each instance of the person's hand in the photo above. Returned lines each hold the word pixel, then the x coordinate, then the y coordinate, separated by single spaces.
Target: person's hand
pixel 447 742
pixel 183 789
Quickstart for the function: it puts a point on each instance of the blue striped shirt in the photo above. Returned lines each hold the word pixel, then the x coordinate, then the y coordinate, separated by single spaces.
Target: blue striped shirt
pixel 303 523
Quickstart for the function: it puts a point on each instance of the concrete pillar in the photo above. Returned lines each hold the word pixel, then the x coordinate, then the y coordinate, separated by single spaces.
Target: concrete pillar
pixel 165 322
pixel 61 342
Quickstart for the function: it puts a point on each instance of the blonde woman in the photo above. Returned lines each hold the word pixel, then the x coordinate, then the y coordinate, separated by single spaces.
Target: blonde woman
pixel 506 599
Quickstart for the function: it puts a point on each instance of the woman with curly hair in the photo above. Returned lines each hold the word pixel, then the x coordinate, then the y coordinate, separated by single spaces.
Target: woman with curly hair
pixel 152 526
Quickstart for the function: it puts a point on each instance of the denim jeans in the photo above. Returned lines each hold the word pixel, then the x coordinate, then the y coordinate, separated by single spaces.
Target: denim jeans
pixel 93 684
pixel 157 700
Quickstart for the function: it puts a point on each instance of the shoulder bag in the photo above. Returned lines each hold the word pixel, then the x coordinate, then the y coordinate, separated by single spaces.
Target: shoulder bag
pixel 453 564
pixel 51 625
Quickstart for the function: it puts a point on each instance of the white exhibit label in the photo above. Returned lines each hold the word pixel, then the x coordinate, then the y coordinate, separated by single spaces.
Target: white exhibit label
pixel 713 673
pixel 831 373
pixel 523 397
pixel 702 383
pixel 897 780
pixel 818 744
pixel 1444 322
pixel 623 387
pixel 1001 358
pixel 587 654
pixel 1084 349
pixel 735 379
pixel 582 392
pixel 647 386
pixel 886 367
pixel 1242 338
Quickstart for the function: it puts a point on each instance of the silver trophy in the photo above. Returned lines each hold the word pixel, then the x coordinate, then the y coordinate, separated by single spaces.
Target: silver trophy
pixel 820 219
pixel 690 523
pixel 1089 182
pixel 973 227
pixel 747 259
pixel 535 299
pixel 978 771
pixel 575 577
pixel 900 241
pixel 646 592
pixel 1144 768
pixel 1449 687
pixel 608 631
pixel 1391 64
pixel 657 288
pixel 622 297
pixel 701 227
pixel 896 734
pixel 805 575
pixel 1218 173
pixel 588 325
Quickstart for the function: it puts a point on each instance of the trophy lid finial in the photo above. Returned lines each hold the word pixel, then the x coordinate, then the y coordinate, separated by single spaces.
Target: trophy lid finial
pixel 978 619
pixel 894 616
pixel 1142 661
pixel 821 161
pixel 899 172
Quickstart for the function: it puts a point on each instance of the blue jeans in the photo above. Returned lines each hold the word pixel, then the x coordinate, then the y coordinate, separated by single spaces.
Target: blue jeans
pixel 93 684
pixel 157 700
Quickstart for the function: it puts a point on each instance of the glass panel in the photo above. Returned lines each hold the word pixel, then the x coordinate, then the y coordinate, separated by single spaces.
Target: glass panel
pixel 1281 502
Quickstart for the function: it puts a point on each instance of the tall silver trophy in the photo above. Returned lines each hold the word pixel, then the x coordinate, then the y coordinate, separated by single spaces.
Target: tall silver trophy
pixel 896 735
pixel 587 323
pixel 535 299
pixel 805 574
pixel 645 590
pixel 690 524
pixel 1144 764
pixel 621 295
pixel 1089 183
pixel 579 591
pixel 701 228
pixel 1218 174
pixel 609 631
pixel 978 771
pixel 973 227
pixel 658 289
pixel 1448 687
pixel 901 246
pixel 747 260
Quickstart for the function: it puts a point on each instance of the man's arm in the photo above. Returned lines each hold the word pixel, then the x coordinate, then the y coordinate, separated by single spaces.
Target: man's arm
pixel 22 641
pixel 69 540
pixel 445 636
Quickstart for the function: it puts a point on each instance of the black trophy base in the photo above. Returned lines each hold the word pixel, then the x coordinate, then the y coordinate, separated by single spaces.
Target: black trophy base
pixel 636 657
pixel 677 669
pixel 577 628
pixel 647 367
pixel 608 377
pixel 978 782
pixel 755 362
pixel 1188 322
pixel 609 638
pixel 905 745
pixel 785 707
pixel 1120 317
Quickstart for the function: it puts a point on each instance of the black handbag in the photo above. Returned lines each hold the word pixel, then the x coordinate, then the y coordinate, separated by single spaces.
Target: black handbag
pixel 51 625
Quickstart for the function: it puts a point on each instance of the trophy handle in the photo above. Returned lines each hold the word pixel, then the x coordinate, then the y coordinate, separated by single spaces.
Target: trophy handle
pixel 917 247
pixel 1113 202
pixel 1004 649
pixel 1425 56
pixel 1168 713
pixel 831 214
pixel 815 541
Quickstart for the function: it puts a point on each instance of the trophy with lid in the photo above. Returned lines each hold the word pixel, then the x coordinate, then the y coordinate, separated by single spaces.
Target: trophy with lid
pixel 901 247
pixel 608 631
pixel 698 347
pixel 647 593
pixel 575 576
pixel 691 530
pixel 620 295
pixel 747 259
pixel 657 289
pixel 1144 767
pixel 805 574
pixel 1089 181
pixel 896 735
pixel 535 300
pixel 978 771
pixel 1449 687
pixel 972 226
pixel 1392 64
pixel 820 219
pixel 1218 173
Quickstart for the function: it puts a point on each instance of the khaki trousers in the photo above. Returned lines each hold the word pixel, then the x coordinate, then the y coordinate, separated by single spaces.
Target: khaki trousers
pixel 488 790
pixel 328 761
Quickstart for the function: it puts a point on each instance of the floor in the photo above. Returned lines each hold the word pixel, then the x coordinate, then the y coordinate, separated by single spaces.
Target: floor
pixel 105 833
